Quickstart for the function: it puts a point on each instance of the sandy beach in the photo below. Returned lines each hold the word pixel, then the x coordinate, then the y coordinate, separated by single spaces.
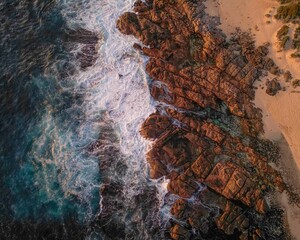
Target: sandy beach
pixel 281 112
pixel 292 213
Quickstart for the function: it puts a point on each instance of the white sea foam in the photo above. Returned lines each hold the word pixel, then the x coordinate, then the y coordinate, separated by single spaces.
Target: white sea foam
pixel 118 84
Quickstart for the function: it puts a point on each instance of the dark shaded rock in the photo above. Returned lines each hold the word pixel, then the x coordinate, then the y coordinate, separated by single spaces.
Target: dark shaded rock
pixel 231 219
pixel 122 216
pixel 87 56
pixel 179 233
pixel 287 76
pixel 273 87
pixel 296 83
pixel 274 70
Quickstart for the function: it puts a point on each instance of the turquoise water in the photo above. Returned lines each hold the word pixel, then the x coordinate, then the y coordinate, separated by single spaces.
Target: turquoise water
pixel 52 111
pixel 46 171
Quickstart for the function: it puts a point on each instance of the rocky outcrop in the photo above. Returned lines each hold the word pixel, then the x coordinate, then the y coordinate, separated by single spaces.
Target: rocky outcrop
pixel 204 126
pixel 296 83
pixel 273 87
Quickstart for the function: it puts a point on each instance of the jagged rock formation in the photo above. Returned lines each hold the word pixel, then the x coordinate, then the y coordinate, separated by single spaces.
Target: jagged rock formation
pixel 205 121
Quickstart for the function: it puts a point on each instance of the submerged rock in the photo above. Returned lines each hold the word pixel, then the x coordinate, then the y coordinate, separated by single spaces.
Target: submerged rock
pixel 87 54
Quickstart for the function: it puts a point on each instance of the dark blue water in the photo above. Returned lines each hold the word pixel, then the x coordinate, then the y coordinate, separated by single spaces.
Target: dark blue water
pixel 73 94
pixel 46 173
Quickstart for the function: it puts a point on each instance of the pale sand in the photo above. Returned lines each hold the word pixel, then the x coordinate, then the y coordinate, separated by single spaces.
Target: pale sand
pixel 250 15
pixel 281 112
pixel 292 175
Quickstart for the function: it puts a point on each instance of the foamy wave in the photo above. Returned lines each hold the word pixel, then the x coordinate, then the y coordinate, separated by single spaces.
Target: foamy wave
pixel 117 83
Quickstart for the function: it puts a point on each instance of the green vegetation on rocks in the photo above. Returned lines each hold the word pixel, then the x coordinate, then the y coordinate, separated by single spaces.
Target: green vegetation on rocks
pixel 296 83
pixel 284 1
pixel 283 31
pixel 288 12
pixel 296 43
pixel 282 36
pixel 296 40
pixel 295 55
pixel 284 42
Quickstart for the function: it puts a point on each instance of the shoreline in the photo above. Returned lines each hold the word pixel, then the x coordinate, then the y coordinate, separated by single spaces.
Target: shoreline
pixel 186 61
pixel 280 117
pixel 252 15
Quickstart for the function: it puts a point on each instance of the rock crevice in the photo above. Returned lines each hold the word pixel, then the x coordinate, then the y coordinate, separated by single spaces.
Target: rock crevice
pixel 197 75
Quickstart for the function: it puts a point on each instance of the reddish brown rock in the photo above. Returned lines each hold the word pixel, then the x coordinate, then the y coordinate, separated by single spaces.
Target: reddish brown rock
pixel 202 167
pixel 203 128
pixel 129 24
pixel 179 208
pixel 179 233
pixel 184 185
pixel 232 218
pixel 154 126
pixel 273 87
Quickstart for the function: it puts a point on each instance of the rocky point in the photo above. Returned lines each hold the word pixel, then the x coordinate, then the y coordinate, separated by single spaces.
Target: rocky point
pixel 205 122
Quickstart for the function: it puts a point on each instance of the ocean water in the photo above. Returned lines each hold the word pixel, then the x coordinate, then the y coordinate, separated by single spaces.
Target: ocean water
pixel 52 111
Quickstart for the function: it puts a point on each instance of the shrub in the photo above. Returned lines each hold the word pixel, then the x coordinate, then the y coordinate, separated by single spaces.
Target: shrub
pixel 282 36
pixel 284 1
pixel 296 83
pixel 295 55
pixel 282 32
pixel 296 40
pixel 288 12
